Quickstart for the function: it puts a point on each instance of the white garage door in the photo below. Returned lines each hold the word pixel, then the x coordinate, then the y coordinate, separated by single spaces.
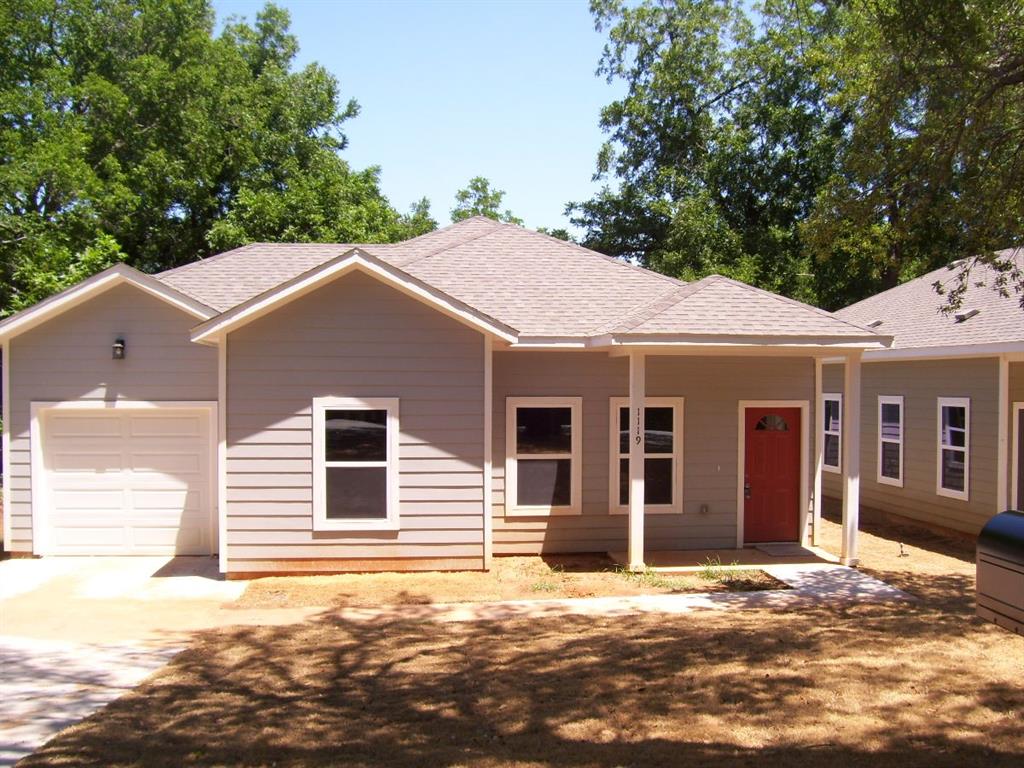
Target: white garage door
pixel 128 482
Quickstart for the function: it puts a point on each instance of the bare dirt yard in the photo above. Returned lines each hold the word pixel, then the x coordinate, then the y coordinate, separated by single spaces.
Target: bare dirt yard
pixel 921 684
pixel 510 578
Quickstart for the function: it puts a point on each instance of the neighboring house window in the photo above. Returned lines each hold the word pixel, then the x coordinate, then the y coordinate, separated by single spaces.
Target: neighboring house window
pixel 355 464
pixel 663 455
pixel 953 457
pixel 890 440
pixel 543 463
pixel 832 404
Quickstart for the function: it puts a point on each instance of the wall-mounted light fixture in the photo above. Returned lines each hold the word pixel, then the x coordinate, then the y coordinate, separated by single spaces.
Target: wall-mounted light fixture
pixel 118 349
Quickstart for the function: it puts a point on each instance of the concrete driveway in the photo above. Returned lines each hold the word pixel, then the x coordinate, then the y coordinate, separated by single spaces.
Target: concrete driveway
pixel 76 633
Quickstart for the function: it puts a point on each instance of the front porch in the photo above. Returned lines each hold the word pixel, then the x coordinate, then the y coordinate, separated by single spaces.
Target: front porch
pixel 810 464
pixel 756 556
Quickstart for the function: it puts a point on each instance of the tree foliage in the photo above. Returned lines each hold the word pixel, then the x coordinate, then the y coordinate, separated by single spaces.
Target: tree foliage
pixel 824 150
pixel 128 130
pixel 480 199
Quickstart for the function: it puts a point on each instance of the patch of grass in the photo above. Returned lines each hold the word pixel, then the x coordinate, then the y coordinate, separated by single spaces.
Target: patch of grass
pixel 544 586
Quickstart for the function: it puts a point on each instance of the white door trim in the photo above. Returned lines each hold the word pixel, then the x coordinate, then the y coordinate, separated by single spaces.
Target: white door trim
pixel 804 406
pixel 40 532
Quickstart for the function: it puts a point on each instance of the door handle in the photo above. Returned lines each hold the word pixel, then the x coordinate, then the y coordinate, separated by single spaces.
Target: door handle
pixel 746 490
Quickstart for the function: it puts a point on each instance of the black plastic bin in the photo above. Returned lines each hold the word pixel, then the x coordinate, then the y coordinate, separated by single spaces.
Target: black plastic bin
pixel 1000 588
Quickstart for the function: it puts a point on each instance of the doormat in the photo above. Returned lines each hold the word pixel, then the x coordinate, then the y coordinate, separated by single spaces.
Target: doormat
pixel 783 549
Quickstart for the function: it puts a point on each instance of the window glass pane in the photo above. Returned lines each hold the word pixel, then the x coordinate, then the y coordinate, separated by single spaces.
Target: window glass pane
pixel 658 430
pixel 832 416
pixel 657 481
pixel 890 421
pixel 623 430
pixel 832 450
pixel 891 460
pixel 357 492
pixel 953 470
pixel 543 430
pixel 352 435
pixel 544 482
pixel 954 418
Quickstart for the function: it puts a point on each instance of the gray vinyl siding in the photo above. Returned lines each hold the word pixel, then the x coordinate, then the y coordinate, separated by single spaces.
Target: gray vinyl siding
pixel 921 383
pixel 712 388
pixel 69 358
pixel 354 337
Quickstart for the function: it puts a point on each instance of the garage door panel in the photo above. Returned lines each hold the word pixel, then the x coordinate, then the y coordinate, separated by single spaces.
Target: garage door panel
pixel 88 540
pixel 148 500
pixel 129 482
pixel 166 427
pixel 97 425
pixel 189 464
pixel 67 501
pixel 88 463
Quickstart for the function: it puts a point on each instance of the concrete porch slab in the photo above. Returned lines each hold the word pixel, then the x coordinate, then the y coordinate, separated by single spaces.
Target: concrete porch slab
pixel 692 560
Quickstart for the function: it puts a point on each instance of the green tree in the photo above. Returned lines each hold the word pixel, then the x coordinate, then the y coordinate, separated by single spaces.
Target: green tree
pixel 827 151
pixel 479 199
pixel 931 169
pixel 721 142
pixel 129 129
pixel 559 233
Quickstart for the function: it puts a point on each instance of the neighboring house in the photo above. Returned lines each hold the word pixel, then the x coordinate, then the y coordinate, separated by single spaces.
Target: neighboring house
pixel 421 405
pixel 942 410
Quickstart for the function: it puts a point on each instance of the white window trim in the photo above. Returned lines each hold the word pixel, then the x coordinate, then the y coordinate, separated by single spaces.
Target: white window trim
pixel 955 402
pixel 320 520
pixel 677 406
pixel 838 433
pixel 890 400
pixel 512 506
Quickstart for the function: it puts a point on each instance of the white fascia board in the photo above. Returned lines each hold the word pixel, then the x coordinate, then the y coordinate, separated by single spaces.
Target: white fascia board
pixel 91 287
pixel 723 340
pixel 208 332
pixel 939 353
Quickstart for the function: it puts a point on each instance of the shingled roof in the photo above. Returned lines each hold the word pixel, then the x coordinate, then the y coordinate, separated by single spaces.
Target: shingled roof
pixel 538 285
pixel 912 312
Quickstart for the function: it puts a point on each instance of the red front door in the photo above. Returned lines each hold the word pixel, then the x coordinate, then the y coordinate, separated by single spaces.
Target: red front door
pixel 771 487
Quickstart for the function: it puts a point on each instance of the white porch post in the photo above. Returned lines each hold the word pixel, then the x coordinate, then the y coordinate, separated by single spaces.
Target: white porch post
pixel 1003 434
pixel 851 457
pixel 819 452
pixel 637 390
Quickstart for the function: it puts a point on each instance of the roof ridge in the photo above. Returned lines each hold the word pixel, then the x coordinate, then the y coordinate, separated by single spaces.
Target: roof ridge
pixel 794 302
pixel 448 247
pixel 618 261
pixel 652 308
pixel 206 260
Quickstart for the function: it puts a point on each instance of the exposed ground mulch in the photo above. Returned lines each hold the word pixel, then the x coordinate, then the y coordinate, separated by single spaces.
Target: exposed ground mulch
pixel 510 578
pixel 880 686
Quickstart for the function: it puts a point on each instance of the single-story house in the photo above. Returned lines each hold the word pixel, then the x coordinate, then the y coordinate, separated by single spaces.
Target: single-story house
pixel 942 414
pixel 479 390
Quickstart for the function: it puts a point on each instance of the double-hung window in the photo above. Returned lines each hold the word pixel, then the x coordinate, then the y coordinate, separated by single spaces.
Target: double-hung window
pixel 663 455
pixel 953 458
pixel 890 440
pixel 832 406
pixel 355 464
pixel 543 461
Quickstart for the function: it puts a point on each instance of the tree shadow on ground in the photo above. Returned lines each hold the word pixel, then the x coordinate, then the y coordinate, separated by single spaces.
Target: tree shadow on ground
pixel 825 686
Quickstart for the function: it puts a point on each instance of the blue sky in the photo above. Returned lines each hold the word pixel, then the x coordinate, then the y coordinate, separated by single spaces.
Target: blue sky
pixel 450 90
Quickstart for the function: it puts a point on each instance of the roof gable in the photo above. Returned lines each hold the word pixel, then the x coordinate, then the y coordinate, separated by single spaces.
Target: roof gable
pixel 119 274
pixel 352 260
